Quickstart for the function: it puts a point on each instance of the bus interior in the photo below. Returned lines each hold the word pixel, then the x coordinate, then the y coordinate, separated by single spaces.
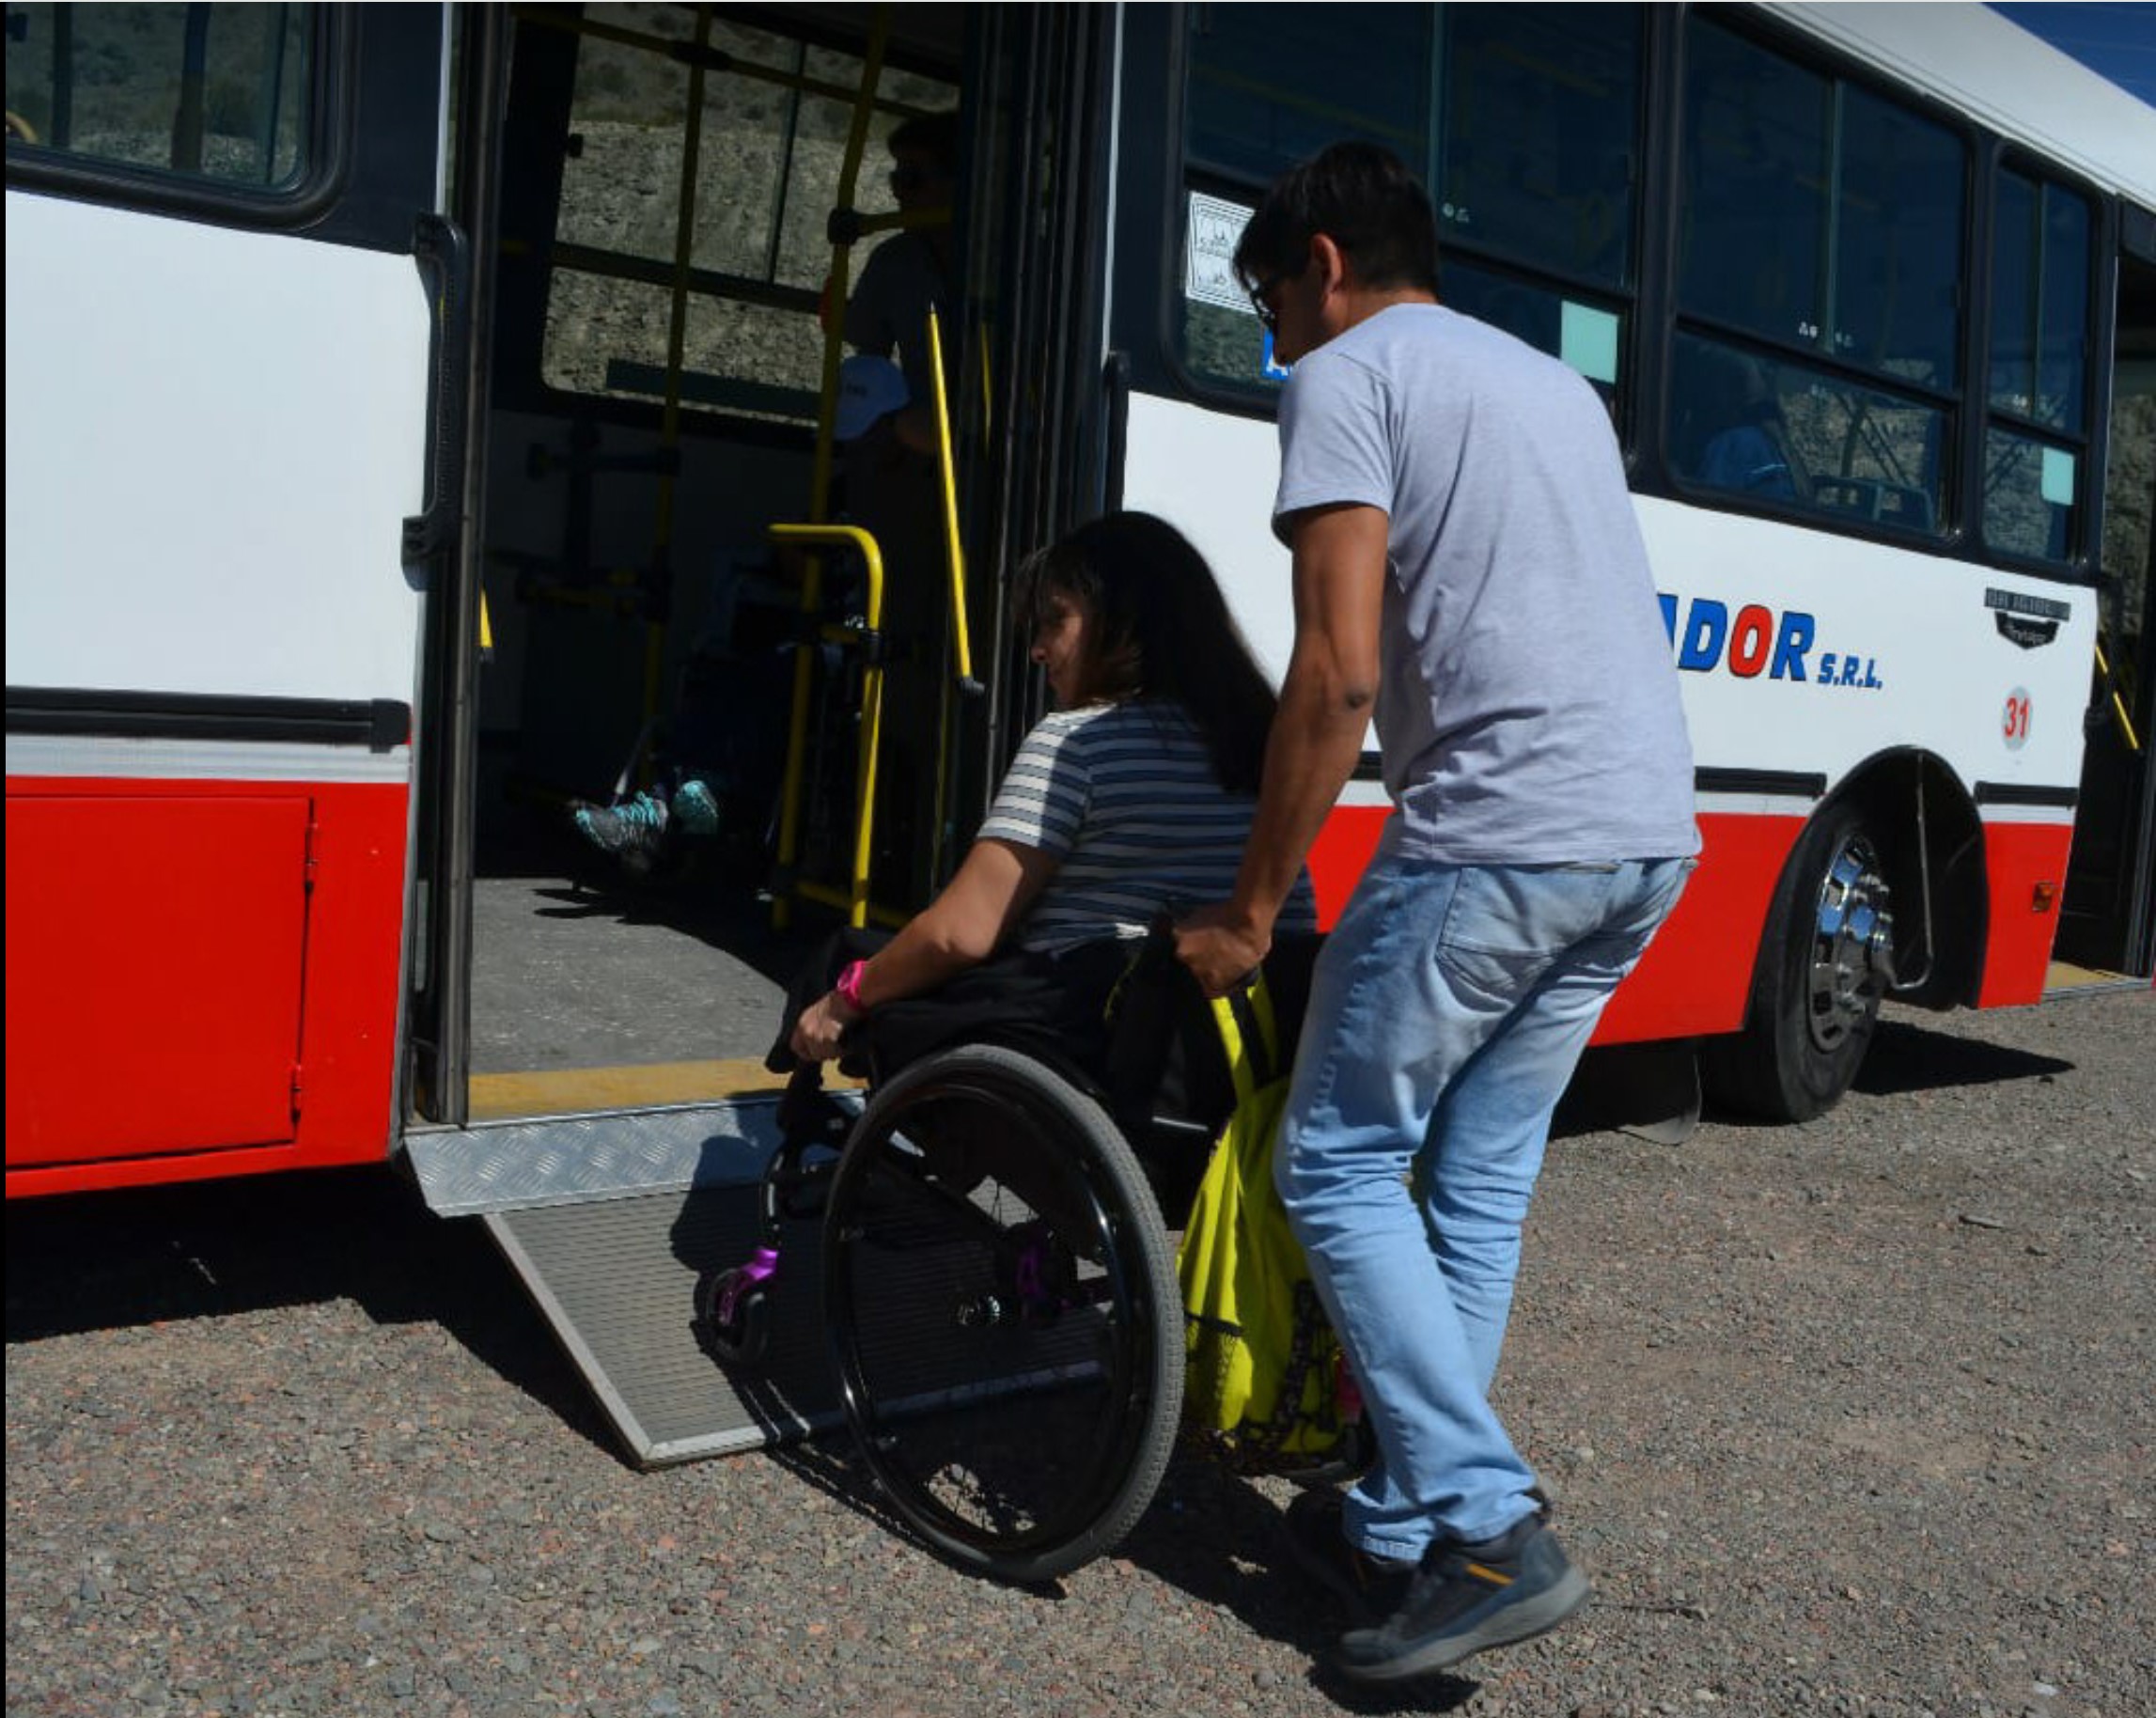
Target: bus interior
pixel 653 241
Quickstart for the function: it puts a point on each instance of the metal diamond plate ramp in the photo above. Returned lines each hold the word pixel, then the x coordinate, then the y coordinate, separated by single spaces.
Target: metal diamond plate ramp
pixel 610 1220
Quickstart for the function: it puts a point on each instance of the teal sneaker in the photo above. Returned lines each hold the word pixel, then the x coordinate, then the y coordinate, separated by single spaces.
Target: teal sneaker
pixel 630 832
pixel 696 807
pixel 1466 1598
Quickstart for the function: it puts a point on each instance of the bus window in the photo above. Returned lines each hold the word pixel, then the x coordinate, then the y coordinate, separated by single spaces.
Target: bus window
pixel 2039 303
pixel 1822 219
pixel 1531 157
pixel 217 93
pixel 1766 428
pixel 1754 196
pixel 1538 155
pixel 1586 334
pixel 1897 244
pixel 2029 489
pixel 1818 215
pixel 2039 378
pixel 770 147
pixel 1271 85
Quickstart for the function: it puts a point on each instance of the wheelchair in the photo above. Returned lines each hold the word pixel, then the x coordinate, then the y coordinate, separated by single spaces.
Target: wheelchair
pixel 999 1283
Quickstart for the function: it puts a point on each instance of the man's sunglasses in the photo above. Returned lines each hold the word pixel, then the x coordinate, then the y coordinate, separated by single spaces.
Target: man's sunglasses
pixel 1262 298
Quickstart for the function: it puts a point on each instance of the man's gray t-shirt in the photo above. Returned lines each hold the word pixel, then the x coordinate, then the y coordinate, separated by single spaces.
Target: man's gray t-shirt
pixel 1528 709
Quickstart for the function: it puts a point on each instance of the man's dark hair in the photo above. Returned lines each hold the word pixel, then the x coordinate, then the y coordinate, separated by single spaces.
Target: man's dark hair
pixel 935 135
pixel 1362 197
pixel 1161 630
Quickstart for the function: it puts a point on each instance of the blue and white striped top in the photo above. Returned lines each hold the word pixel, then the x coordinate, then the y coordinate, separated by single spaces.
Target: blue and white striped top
pixel 1124 797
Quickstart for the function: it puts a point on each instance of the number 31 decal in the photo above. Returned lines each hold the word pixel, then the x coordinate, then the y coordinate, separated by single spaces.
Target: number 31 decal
pixel 2015 725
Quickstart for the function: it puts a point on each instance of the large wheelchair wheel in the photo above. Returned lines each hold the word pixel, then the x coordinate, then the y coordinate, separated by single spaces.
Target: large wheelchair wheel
pixel 1003 1302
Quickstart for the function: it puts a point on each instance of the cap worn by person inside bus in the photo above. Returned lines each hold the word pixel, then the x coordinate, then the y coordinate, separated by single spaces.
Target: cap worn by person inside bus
pixel 869 390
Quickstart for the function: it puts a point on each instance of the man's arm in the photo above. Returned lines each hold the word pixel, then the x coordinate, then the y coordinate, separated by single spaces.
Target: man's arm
pixel 1325 702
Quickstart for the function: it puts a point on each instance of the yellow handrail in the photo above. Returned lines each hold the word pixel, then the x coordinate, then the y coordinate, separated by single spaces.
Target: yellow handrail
pixel 2118 703
pixel 947 470
pixel 855 900
pixel 819 479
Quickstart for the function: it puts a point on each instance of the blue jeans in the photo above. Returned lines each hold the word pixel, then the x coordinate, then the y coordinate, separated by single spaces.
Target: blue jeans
pixel 1448 1010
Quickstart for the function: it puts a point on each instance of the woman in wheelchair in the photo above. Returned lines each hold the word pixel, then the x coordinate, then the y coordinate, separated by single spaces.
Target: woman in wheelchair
pixel 1133 797
pixel 998 1286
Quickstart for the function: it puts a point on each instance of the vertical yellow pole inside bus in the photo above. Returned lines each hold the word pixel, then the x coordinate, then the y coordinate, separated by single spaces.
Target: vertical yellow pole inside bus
pixel 948 472
pixel 856 901
pixel 2118 703
pixel 820 488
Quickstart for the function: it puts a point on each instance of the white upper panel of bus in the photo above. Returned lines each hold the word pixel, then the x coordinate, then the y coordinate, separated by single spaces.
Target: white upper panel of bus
pixel 1977 61
pixel 213 438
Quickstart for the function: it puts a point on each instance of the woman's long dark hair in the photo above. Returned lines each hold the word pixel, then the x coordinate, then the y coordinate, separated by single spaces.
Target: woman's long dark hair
pixel 1161 629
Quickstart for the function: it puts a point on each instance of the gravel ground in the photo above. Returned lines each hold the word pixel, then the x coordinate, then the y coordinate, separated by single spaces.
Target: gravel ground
pixel 1851 1418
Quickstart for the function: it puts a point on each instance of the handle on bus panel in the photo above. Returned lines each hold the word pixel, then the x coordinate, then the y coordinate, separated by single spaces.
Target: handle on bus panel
pixel 445 254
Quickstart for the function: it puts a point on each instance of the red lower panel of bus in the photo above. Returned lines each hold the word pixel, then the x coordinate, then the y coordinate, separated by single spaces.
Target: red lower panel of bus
pixel 1694 981
pixel 1695 978
pixel 2025 864
pixel 202 977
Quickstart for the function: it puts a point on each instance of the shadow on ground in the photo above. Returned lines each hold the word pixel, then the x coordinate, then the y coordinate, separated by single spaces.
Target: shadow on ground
pixel 113 1260
pixel 1907 1058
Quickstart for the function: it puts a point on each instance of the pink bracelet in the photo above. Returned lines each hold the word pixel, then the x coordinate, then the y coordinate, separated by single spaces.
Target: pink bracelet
pixel 848 987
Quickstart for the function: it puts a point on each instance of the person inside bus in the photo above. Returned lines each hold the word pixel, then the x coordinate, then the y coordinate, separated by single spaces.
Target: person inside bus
pixel 912 272
pixel 1134 794
pixel 696 782
pixel 889 481
pixel 1735 421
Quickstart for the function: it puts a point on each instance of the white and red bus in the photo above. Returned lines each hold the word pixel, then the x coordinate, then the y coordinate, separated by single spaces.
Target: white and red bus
pixel 337 336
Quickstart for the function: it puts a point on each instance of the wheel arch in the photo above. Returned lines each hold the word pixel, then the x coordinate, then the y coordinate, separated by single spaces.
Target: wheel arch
pixel 1931 848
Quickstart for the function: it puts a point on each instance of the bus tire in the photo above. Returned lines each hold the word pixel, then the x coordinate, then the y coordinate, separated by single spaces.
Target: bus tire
pixel 1824 964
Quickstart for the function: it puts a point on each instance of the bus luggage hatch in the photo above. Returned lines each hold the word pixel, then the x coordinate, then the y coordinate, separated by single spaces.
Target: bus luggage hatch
pixel 610 1219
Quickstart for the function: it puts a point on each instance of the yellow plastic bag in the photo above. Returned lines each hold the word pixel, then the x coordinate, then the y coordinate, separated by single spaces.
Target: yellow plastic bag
pixel 1265 1385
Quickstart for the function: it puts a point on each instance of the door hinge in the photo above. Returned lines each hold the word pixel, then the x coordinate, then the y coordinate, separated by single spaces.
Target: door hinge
pixel 314 850
pixel 299 1087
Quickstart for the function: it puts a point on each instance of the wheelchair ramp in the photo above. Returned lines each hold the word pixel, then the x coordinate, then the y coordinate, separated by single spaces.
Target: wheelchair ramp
pixel 610 1219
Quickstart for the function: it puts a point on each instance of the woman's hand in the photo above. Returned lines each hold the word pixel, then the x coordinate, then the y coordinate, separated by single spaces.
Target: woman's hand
pixel 822 1025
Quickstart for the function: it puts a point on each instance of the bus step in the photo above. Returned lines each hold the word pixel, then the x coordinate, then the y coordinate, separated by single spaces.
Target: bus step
pixel 610 1220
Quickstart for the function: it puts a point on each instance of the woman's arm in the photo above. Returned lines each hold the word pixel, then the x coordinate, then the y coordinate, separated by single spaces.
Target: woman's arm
pixel 995 886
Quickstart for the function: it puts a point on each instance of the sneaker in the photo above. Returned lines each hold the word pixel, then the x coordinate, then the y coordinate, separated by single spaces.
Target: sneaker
pixel 630 831
pixel 696 807
pixel 1465 1598
pixel 1371 1587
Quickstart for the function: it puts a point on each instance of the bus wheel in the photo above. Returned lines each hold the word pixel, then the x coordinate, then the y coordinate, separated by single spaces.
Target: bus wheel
pixel 1826 961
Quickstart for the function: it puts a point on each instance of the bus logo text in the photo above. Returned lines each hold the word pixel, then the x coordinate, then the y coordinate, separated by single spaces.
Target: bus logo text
pixel 1756 641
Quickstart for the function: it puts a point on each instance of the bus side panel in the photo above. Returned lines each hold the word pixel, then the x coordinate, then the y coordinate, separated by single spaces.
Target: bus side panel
pixel 2024 864
pixel 1688 985
pixel 1693 981
pixel 214 440
pixel 202 976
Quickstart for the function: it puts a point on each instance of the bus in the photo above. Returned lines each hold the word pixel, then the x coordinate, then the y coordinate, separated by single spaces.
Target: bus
pixel 400 400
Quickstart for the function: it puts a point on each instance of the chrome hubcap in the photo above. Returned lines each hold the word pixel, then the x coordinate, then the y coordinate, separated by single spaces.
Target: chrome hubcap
pixel 1853 945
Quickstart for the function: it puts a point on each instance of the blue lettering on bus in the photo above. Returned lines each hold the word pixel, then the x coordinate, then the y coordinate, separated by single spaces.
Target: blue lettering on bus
pixel 1705 639
pixel 1705 629
pixel 1790 643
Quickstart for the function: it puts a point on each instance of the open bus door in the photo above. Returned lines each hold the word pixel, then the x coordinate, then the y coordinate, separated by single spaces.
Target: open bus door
pixel 2108 922
pixel 649 193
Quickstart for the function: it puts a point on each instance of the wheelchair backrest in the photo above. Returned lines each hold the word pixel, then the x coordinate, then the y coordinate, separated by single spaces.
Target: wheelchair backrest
pixel 1168 1071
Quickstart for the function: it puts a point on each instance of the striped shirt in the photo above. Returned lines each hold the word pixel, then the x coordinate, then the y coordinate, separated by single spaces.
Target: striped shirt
pixel 1124 798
